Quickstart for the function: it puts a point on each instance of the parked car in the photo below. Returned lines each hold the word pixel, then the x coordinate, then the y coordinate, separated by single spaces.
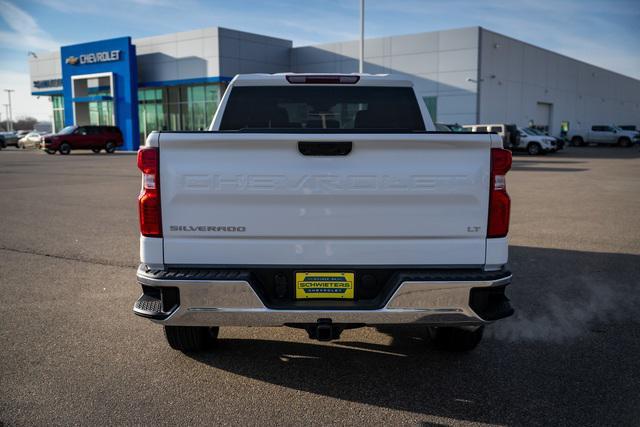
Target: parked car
pixel 455 127
pixel 442 128
pixel 450 127
pixel 30 140
pixel 277 218
pixel 94 138
pixel 559 141
pixel 8 139
pixel 535 143
pixel 508 132
pixel 604 134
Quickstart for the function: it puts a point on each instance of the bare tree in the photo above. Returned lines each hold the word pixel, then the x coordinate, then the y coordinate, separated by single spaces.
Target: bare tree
pixel 25 123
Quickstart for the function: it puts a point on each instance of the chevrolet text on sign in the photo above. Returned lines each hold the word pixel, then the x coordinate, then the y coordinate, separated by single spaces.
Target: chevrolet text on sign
pixel 92 58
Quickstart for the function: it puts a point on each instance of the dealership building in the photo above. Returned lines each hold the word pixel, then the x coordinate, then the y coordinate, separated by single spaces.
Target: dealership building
pixel 467 75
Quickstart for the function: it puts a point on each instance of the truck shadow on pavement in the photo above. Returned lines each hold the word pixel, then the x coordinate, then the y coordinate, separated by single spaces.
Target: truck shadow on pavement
pixel 568 356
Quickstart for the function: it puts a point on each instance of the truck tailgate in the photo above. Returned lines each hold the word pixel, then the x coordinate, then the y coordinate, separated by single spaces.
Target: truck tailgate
pixel 395 199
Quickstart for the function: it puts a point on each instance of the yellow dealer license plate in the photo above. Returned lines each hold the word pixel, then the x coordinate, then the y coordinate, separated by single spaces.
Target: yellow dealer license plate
pixel 324 285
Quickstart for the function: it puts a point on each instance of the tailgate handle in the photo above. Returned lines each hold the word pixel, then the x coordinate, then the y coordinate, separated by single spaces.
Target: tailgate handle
pixel 325 148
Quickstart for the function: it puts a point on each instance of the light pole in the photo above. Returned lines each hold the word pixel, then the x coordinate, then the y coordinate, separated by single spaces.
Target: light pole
pixel 6 118
pixel 361 64
pixel 10 117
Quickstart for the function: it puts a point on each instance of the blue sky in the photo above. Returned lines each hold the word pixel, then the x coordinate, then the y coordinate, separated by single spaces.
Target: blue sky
pixel 605 33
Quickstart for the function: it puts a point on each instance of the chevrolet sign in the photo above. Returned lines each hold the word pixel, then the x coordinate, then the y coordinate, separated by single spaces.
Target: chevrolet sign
pixel 92 58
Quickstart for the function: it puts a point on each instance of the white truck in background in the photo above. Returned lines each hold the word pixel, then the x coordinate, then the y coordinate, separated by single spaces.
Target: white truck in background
pixel 604 134
pixel 323 202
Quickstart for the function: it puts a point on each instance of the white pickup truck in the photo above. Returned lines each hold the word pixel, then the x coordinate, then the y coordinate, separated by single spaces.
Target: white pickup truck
pixel 323 202
pixel 604 134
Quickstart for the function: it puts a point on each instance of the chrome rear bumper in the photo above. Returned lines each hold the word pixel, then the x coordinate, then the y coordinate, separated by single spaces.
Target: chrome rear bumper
pixel 235 303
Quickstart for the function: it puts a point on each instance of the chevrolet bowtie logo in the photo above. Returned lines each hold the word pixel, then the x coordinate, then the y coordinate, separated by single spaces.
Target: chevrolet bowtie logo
pixel 72 60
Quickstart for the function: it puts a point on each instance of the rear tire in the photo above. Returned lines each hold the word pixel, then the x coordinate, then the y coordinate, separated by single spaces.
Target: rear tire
pixel 65 148
pixel 95 150
pixel 110 147
pixel 188 339
pixel 534 149
pixel 456 339
pixel 577 141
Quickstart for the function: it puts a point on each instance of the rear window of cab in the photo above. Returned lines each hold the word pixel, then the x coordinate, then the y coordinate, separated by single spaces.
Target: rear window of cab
pixel 336 108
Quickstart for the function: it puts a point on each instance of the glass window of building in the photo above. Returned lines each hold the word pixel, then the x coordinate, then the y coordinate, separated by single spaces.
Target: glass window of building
pixel 58 112
pixel 100 112
pixel 177 107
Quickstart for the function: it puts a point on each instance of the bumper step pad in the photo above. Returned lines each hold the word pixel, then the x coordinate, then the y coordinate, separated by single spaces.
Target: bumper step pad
pixel 150 306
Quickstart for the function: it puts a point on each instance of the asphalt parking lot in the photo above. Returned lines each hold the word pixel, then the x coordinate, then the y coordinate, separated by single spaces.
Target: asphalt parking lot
pixel 72 352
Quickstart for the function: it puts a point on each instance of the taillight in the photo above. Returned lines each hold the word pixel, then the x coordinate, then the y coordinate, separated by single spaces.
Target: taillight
pixel 499 201
pixel 149 198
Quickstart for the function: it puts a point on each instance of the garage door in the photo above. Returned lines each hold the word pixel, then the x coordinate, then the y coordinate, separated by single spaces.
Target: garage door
pixel 542 119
